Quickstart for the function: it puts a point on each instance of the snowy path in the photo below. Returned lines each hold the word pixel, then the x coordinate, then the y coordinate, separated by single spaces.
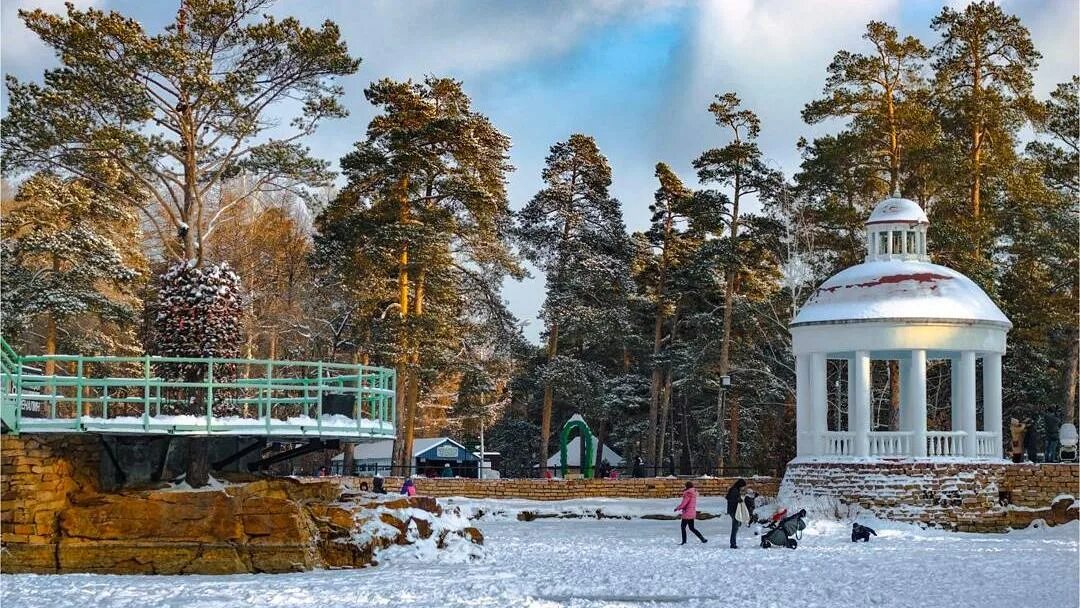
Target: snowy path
pixel 591 563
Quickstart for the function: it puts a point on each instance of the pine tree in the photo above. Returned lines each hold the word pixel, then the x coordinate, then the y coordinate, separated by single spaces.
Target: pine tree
pixel 69 254
pixel 984 64
pixel 426 207
pixel 882 94
pixel 739 165
pixel 668 244
pixel 573 231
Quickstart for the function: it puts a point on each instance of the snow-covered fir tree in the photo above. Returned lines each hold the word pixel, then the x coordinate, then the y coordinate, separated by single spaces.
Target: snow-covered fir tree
pixel 71 264
pixel 198 314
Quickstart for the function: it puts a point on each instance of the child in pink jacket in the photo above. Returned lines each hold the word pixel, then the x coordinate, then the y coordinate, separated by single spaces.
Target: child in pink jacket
pixel 688 507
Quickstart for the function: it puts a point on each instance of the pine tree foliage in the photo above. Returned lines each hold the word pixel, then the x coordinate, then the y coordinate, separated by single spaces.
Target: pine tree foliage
pixel 573 230
pixel 420 235
pixel 69 255
pixel 181 111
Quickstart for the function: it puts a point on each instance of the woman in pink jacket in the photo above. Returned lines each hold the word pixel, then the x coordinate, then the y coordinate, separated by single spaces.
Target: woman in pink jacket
pixel 688 507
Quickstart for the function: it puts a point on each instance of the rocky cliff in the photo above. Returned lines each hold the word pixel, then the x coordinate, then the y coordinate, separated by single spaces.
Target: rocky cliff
pixel 56 520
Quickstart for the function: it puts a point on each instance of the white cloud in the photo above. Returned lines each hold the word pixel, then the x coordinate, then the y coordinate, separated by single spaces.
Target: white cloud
pixel 20 44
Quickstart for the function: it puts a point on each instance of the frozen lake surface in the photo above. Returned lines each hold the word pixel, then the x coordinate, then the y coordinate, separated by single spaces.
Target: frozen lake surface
pixel 635 562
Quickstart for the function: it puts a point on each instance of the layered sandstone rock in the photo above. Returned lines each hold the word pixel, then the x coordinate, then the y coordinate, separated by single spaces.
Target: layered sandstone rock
pixel 56 520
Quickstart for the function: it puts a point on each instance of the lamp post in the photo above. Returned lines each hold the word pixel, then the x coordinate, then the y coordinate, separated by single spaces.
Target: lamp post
pixel 725 382
pixel 480 471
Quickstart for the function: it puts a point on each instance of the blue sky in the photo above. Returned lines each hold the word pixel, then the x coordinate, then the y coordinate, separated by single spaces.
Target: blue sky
pixel 635 75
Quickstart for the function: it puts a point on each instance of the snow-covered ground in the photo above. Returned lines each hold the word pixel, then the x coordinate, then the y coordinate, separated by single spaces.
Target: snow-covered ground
pixel 591 563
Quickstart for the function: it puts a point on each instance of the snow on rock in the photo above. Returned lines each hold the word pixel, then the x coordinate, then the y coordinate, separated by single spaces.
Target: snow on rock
pixel 272 525
pixel 614 563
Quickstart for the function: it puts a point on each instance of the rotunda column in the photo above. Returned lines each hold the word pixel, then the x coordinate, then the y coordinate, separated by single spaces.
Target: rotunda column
pixel 955 382
pixel 992 400
pixel 904 369
pixel 967 403
pixel 819 406
pixel 915 401
pixel 804 439
pixel 859 411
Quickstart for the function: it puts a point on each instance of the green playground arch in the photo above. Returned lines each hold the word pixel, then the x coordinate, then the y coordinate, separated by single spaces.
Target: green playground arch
pixel 577 422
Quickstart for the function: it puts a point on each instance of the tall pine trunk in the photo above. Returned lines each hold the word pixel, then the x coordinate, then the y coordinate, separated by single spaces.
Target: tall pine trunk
pixel 731 277
pixel 50 329
pixel 403 455
pixel 658 331
pixel 412 389
pixel 894 395
pixel 665 409
pixel 654 392
pixel 549 399
pixel 1071 378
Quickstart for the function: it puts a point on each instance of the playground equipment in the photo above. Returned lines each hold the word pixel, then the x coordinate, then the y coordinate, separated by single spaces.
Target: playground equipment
pixel 127 395
pixel 577 422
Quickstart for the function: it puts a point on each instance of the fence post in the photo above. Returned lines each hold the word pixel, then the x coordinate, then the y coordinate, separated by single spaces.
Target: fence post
pixel 209 393
pixel 318 395
pixel 269 393
pixel 146 393
pixel 79 379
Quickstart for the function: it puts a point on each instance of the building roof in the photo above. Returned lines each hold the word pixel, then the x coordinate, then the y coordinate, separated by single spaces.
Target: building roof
pixel 899 290
pixel 898 210
pixel 573 455
pixel 383 450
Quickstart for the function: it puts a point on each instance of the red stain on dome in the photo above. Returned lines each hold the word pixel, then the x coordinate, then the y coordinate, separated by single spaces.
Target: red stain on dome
pixel 890 279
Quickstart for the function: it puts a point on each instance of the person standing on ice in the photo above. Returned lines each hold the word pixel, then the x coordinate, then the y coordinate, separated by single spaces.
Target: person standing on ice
pixel 734 499
pixel 688 508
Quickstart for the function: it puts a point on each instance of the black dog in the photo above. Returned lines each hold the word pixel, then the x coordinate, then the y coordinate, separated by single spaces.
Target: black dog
pixel 861 532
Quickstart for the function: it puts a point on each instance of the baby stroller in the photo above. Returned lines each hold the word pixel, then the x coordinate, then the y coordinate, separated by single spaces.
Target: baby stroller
pixel 1068 439
pixel 786 532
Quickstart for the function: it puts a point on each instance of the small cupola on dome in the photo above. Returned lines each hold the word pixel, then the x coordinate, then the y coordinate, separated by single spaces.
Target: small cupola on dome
pixel 896 230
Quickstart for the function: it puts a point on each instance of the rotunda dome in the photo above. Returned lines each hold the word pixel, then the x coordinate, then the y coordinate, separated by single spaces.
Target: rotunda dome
pixel 899 290
pixel 897 210
pixel 897 282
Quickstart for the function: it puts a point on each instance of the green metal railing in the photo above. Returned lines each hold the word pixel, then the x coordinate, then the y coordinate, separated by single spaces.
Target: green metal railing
pixel 215 396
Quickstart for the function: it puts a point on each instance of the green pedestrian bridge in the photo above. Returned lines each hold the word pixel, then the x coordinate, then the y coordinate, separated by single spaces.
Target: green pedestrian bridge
pixel 214 397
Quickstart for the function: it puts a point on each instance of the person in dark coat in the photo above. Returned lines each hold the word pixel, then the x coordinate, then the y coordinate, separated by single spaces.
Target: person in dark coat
pixel 1031 441
pixel 639 467
pixel 734 497
pixel 1052 428
pixel 377 485
pixel 861 532
pixel 604 469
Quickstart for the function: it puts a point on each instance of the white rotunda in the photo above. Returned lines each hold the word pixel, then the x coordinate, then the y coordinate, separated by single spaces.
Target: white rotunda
pixel 898 306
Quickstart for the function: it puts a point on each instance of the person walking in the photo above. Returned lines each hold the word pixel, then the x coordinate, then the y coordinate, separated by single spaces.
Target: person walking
pixel 688 508
pixel 734 499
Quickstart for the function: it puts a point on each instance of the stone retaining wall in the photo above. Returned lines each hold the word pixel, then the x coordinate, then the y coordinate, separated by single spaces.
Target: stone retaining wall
pixel 39 476
pixel 963 496
pixel 556 489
